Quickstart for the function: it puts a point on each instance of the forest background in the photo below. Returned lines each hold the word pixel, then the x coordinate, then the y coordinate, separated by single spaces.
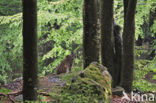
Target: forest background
pixel 60 31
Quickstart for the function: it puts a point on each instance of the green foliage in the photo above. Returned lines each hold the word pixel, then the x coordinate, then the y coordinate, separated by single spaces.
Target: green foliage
pixel 11 45
pixel 142 15
pixel 118 12
pixel 67 13
pixel 143 67
pixel 154 77
pixel 4 90
pixel 153 27
pixel 152 65
pixel 10 7
pixel 69 18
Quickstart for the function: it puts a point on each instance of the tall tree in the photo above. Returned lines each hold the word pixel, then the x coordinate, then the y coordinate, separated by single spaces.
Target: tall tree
pixel 128 45
pixel 125 8
pixel 107 49
pixel 30 63
pixel 90 35
pixel 118 53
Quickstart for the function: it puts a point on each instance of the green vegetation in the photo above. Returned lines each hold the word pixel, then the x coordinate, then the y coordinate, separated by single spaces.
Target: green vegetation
pixel 50 15
pixel 10 7
pixel 144 67
pixel 60 32
pixel 89 86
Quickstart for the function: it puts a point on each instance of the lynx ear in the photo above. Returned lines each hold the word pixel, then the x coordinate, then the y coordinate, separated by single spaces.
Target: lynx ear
pixel 74 55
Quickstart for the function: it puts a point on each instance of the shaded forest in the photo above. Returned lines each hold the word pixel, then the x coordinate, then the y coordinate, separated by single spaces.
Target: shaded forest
pixel 77 51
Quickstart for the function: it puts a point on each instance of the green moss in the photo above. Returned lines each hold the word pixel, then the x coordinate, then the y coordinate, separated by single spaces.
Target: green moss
pixel 90 86
pixel 94 73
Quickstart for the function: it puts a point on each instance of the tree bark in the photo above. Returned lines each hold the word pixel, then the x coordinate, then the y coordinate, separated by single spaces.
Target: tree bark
pixel 118 53
pixel 125 8
pixel 128 46
pixel 90 35
pixel 107 49
pixel 30 62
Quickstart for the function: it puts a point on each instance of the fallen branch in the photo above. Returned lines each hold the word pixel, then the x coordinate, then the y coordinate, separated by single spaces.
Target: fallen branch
pixel 15 93
pixel 8 96
pixel 1 94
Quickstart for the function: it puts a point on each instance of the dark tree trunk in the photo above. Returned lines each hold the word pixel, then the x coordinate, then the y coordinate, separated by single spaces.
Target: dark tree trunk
pixel 125 8
pixel 90 35
pixel 128 46
pixel 30 63
pixel 118 53
pixel 107 51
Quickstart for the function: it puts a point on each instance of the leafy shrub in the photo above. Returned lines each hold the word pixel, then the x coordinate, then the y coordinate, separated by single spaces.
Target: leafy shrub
pixel 143 67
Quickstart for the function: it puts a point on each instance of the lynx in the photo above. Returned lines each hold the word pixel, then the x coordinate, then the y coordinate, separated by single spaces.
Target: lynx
pixel 66 65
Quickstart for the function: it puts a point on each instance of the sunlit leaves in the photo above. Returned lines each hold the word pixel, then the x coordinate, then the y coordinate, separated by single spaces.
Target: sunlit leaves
pixel 68 14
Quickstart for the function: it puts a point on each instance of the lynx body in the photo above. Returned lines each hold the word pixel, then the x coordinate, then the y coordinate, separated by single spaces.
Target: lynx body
pixel 66 65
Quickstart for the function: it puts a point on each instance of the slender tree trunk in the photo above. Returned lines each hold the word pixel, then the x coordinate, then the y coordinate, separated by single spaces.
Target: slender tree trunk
pixel 118 54
pixel 90 35
pixel 128 46
pixel 30 63
pixel 107 49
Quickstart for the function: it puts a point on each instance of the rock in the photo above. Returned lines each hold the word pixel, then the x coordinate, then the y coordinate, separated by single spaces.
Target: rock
pixel 92 85
pixel 19 98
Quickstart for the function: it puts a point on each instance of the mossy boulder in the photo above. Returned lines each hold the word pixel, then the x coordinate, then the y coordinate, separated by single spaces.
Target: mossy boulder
pixel 92 85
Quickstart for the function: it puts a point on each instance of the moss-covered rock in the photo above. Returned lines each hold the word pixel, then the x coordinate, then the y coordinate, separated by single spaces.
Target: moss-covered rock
pixel 92 85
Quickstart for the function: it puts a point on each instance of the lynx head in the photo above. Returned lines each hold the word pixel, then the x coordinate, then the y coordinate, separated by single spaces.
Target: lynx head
pixel 71 57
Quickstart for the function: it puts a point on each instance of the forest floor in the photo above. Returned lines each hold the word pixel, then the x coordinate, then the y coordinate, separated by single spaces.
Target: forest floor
pixel 46 85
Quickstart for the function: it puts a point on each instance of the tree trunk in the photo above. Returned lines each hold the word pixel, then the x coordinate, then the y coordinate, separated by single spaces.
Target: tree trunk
pixel 90 35
pixel 107 49
pixel 128 46
pixel 125 8
pixel 118 54
pixel 30 62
